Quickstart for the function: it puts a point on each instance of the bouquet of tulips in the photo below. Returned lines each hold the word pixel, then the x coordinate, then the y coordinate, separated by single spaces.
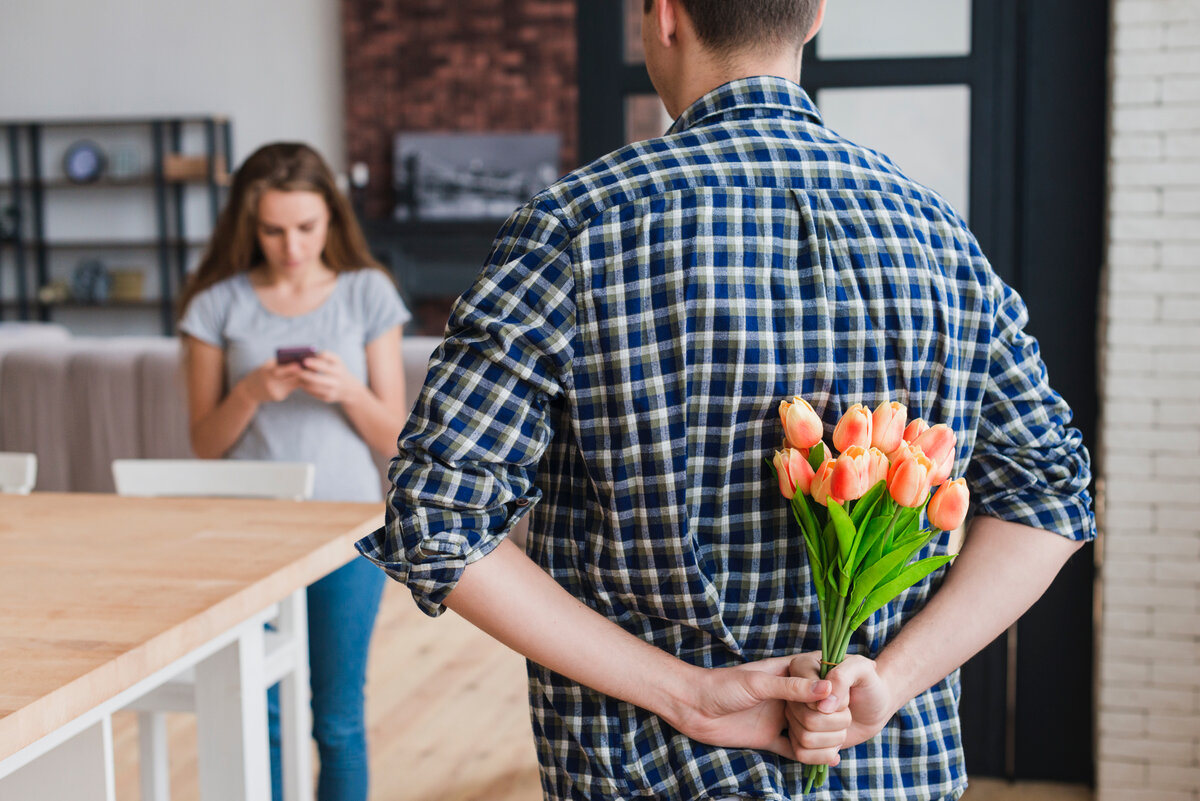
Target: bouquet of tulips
pixel 860 512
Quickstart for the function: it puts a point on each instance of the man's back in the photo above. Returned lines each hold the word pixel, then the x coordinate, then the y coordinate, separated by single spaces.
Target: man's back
pixel 637 325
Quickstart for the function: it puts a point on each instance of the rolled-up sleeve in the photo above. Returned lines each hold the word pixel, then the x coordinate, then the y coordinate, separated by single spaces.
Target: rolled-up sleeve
pixel 464 473
pixel 1029 466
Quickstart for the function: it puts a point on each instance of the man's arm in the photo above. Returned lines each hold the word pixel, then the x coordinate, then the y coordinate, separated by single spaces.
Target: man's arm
pixel 1002 570
pixel 515 601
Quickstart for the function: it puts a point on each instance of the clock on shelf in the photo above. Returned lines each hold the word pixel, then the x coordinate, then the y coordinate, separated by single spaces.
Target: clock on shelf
pixel 83 162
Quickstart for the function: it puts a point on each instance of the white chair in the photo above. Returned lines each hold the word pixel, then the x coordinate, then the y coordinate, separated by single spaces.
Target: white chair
pixel 18 473
pixel 287 642
pixel 213 478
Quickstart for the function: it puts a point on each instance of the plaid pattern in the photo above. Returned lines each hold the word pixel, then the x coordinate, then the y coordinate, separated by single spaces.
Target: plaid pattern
pixel 619 363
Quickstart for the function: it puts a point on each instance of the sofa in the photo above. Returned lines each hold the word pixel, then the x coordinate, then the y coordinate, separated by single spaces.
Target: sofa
pixel 80 402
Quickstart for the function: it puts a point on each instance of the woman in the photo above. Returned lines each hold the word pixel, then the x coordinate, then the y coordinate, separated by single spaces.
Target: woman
pixel 288 268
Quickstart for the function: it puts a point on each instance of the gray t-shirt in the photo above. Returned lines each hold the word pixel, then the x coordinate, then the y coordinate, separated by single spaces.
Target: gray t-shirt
pixel 363 305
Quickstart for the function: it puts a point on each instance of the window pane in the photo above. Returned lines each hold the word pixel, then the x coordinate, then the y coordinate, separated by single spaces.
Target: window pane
pixel 923 130
pixel 645 117
pixel 887 28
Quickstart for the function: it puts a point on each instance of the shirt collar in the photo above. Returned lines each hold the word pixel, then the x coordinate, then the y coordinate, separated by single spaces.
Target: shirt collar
pixel 767 95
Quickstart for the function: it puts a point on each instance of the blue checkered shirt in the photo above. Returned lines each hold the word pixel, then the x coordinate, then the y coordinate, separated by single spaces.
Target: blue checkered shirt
pixel 617 368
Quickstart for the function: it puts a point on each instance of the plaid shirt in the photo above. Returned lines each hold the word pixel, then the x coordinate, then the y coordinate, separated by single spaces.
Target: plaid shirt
pixel 619 363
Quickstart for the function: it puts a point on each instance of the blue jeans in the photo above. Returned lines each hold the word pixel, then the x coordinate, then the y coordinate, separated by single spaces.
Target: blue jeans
pixel 341 615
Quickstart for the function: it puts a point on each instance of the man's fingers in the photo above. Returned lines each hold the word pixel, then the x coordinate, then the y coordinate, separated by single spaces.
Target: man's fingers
pixel 853 671
pixel 812 756
pixel 800 691
pixel 806 666
pixel 804 717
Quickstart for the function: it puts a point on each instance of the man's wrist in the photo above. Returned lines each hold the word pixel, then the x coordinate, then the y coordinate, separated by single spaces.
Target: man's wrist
pixel 895 675
pixel 674 699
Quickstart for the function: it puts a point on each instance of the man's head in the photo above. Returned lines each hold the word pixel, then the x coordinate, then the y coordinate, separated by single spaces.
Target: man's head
pixel 694 46
pixel 727 27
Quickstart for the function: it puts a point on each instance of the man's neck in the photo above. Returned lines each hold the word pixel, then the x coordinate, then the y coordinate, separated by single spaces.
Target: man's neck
pixel 708 72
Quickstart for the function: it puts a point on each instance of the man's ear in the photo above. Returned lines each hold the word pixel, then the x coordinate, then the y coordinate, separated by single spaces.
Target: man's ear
pixel 666 21
pixel 816 26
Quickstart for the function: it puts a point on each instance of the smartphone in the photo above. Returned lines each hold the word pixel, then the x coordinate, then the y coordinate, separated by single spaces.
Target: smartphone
pixel 293 355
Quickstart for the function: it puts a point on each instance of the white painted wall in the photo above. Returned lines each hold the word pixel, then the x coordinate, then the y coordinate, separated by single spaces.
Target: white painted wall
pixel 273 66
pixel 1149 650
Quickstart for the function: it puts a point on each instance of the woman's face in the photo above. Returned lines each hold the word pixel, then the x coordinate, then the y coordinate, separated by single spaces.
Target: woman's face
pixel 292 227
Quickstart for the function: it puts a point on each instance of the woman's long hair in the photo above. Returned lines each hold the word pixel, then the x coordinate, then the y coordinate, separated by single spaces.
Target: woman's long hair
pixel 288 167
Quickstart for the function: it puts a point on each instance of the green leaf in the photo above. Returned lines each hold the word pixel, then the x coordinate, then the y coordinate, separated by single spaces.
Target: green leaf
pixel 818 571
pixel 887 568
pixel 906 520
pixel 804 516
pixel 816 455
pixel 863 507
pixel 847 541
pixel 829 540
pixel 870 546
pixel 884 595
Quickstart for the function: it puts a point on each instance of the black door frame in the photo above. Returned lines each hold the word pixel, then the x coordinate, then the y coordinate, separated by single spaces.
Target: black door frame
pixel 1037 186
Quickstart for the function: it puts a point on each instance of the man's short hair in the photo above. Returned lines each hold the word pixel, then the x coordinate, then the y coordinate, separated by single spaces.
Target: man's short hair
pixel 727 26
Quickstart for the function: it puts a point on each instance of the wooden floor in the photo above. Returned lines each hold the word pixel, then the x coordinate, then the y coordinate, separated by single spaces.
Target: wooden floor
pixel 448 720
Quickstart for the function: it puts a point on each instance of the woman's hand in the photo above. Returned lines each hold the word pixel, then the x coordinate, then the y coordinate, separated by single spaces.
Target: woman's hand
pixel 744 707
pixel 271 382
pixel 858 706
pixel 326 378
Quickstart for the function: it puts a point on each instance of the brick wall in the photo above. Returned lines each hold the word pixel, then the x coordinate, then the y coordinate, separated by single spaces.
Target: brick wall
pixel 1149 652
pixel 466 65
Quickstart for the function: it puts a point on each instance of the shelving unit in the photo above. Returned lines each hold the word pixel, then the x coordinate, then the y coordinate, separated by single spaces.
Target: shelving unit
pixel 150 209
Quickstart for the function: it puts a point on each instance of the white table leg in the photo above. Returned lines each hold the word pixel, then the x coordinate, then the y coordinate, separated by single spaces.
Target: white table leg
pixel 153 764
pixel 295 712
pixel 80 769
pixel 231 721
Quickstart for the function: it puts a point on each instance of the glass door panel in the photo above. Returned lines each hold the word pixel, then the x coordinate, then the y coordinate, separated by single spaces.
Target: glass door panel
pixel 890 29
pixel 925 130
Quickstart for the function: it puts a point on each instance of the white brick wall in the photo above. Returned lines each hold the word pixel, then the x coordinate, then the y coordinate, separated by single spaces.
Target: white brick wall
pixel 1149 651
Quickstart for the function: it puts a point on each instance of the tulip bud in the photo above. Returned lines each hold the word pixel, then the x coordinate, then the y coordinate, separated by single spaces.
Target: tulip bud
pixel 915 429
pixel 879 466
pixel 795 474
pixel 801 425
pixel 908 478
pixel 850 473
pixel 948 507
pixel 819 489
pixel 938 443
pixel 887 426
pixel 853 429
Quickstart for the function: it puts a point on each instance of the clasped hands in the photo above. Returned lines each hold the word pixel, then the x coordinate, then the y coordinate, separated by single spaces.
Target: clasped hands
pixel 781 705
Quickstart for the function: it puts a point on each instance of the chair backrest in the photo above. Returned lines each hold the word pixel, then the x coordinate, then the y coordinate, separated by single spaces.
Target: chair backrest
pixel 18 472
pixel 228 478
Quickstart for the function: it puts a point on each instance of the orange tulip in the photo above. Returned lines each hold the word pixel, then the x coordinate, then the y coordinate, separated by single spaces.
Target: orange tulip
pixel 795 474
pixel 853 429
pixel 908 478
pixel 914 429
pixel 851 471
pixel 879 467
pixel 939 443
pixel 887 426
pixel 948 507
pixel 801 425
pixel 819 489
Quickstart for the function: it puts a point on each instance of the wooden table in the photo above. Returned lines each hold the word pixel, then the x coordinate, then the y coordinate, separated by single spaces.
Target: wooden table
pixel 105 598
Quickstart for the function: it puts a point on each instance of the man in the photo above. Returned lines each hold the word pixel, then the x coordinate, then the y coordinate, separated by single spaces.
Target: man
pixel 619 363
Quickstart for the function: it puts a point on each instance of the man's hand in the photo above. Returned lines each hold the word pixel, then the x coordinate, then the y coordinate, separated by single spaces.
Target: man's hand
pixel 743 707
pixel 858 706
